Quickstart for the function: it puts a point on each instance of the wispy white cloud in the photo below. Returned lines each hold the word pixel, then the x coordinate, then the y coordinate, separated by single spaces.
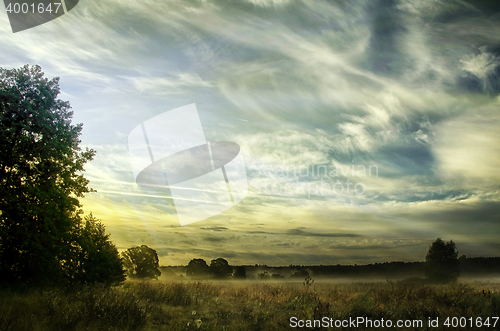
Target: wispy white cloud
pixel 269 3
pixel 180 83
pixel 483 66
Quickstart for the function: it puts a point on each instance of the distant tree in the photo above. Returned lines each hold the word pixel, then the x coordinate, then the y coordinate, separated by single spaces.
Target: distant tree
pixel 98 260
pixel 141 262
pixel 197 268
pixel 41 179
pixel 277 276
pixel 441 263
pixel 220 268
pixel 239 272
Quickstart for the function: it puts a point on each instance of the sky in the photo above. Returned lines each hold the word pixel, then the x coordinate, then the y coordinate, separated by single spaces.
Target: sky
pixel 367 128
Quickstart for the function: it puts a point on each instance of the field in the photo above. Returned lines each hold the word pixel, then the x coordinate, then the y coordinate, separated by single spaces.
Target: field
pixel 231 305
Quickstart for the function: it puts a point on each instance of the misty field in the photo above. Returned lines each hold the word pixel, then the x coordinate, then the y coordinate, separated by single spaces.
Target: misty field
pixel 242 305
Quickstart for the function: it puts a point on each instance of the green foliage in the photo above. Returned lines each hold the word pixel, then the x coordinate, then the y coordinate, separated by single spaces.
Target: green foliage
pixel 441 263
pixel 141 262
pixel 197 268
pixel 43 239
pixel 98 259
pixel 40 178
pixel 220 268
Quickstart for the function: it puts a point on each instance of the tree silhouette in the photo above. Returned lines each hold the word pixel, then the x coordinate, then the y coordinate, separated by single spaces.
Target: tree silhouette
pixel 98 259
pixel 220 268
pixel 197 268
pixel 40 178
pixel 441 263
pixel 141 262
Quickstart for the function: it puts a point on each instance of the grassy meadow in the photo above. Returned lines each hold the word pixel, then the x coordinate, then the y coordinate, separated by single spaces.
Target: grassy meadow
pixel 231 305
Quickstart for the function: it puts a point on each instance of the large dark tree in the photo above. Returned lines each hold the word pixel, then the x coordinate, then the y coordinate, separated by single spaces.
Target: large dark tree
pixel 141 262
pixel 40 178
pixel 441 263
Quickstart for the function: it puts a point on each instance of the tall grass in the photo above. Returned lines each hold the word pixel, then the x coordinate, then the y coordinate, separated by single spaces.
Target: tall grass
pixel 238 306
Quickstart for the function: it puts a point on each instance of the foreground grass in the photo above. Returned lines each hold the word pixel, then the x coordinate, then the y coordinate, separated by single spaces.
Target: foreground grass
pixel 239 306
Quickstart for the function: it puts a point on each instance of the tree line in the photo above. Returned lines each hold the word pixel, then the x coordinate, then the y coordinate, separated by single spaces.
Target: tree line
pixel 442 265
